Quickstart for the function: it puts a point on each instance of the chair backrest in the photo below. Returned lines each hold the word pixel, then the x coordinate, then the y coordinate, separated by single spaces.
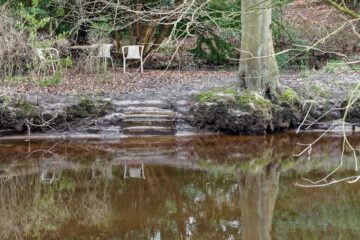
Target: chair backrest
pixel 133 51
pixel 134 171
pixel 47 54
pixel 41 54
pixel 104 50
pixel 48 176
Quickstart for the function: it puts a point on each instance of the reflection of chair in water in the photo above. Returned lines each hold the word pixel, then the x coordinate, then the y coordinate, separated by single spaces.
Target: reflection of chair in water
pixel 134 171
pixel 102 169
pixel 50 175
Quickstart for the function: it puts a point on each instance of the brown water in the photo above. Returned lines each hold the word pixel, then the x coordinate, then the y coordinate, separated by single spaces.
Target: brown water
pixel 176 188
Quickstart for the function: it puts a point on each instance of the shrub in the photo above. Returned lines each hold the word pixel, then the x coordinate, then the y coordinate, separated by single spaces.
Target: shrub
pixel 15 50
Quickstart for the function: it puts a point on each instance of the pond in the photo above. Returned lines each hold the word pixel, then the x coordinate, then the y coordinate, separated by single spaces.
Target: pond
pixel 201 187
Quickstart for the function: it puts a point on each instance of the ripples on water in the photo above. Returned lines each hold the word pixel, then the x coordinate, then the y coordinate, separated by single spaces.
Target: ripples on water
pixel 175 188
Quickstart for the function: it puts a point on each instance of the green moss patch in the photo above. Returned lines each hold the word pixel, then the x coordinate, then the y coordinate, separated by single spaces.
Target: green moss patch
pixel 253 100
pixel 289 96
pixel 89 108
pixel 216 95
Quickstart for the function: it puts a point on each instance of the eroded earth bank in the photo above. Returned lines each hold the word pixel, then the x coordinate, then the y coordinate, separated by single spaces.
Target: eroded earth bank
pixel 208 102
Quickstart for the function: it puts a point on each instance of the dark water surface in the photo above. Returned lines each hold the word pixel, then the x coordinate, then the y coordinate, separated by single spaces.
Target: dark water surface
pixel 205 187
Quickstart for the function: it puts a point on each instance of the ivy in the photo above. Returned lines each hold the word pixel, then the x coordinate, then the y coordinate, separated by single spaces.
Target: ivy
pixel 213 49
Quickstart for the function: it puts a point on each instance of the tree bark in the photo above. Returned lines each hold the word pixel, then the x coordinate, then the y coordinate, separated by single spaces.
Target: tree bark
pixel 160 38
pixel 258 69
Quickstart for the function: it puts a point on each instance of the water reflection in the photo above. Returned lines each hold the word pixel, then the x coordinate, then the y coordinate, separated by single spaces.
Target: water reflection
pixel 102 169
pixel 258 192
pixel 51 170
pixel 50 175
pixel 190 188
pixel 134 170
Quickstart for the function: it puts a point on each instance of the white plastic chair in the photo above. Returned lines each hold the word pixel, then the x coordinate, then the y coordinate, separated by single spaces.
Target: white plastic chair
pixel 136 171
pixel 48 56
pixel 133 52
pixel 49 175
pixel 104 52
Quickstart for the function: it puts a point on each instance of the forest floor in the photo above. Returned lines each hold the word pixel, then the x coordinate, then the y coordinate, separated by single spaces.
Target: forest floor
pixel 157 83
pixel 113 83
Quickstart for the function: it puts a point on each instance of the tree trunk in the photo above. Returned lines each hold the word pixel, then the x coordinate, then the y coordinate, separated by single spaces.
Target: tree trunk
pixel 137 23
pixel 258 67
pixel 160 38
pixel 147 35
pixel 258 192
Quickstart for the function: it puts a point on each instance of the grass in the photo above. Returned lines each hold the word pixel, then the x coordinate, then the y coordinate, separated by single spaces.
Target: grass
pixel 318 90
pixel 289 96
pixel 334 66
pixel 16 79
pixel 54 80
pixel 355 67
pixel 305 73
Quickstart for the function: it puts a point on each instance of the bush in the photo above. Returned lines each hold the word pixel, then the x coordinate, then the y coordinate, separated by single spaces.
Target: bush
pixel 213 49
pixel 15 51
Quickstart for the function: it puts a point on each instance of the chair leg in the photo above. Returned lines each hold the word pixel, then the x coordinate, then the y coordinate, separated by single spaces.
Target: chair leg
pixel 124 63
pixel 58 66
pixel 39 69
pixel 98 66
pixel 53 67
pixel 125 170
pixel 92 64
pixel 141 66
pixel 105 63
pixel 112 63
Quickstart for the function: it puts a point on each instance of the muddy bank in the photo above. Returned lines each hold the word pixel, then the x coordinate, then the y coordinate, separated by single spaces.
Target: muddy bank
pixel 321 98
pixel 55 114
pixel 234 112
pixel 205 104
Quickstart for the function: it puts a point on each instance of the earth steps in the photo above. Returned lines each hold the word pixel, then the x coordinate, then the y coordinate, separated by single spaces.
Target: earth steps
pixel 147 118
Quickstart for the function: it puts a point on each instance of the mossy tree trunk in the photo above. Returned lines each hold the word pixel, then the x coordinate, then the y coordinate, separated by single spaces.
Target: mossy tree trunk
pixel 258 67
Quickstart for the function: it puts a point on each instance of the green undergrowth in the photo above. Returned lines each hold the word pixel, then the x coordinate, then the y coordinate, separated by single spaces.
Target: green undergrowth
pixel 289 96
pixel 53 80
pixel 24 105
pixel 334 66
pixel 25 108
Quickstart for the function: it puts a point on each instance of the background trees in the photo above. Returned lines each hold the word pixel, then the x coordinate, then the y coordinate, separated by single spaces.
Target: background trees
pixel 203 31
